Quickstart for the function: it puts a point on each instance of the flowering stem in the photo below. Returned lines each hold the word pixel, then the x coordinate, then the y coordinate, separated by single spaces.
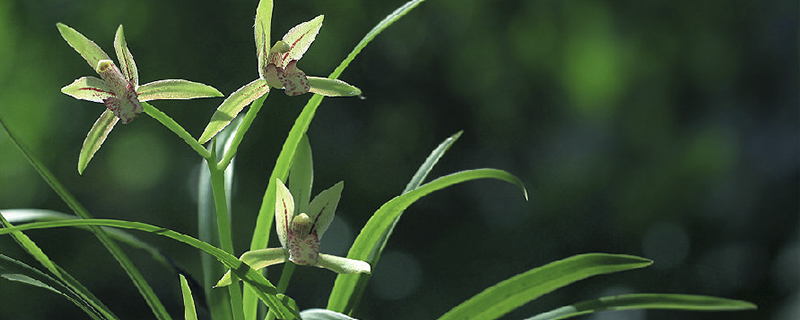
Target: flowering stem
pixel 224 226
pixel 176 128
pixel 237 138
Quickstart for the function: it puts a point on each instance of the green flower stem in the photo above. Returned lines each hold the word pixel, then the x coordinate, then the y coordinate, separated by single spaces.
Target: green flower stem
pixel 237 138
pixel 224 225
pixel 176 128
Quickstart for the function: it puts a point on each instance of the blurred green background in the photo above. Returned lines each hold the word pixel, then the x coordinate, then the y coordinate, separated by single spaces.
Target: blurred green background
pixel 666 129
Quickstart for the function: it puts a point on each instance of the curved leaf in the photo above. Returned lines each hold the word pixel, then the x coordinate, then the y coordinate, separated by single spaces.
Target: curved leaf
pixel 385 23
pixel 264 289
pixel 646 301
pixel 13 270
pixel 89 50
pixel 176 89
pixel 516 291
pixel 232 106
pixel 95 138
pixel 341 298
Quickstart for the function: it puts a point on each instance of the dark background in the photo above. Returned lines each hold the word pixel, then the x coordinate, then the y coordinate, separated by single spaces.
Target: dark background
pixel 665 129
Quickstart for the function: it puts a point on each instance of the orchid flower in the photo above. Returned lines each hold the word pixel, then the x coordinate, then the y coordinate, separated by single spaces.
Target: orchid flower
pixel 300 234
pixel 118 88
pixel 277 68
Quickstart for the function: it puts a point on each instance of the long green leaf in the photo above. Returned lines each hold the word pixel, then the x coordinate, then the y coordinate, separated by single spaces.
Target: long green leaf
pixel 371 234
pixel 353 293
pixel 510 294
pixel 264 289
pixel 646 301
pixel 141 284
pixel 38 215
pixel 385 23
pixel 13 270
pixel 189 310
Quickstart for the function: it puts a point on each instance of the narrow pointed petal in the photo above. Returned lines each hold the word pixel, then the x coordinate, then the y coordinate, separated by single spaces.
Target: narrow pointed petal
pixel 125 58
pixel 323 208
pixel 262 30
pixel 343 265
pixel 294 80
pixel 256 259
pixel 232 106
pixel 90 51
pixel 176 89
pixel 88 88
pixel 284 212
pixel 97 135
pixel 332 87
pixel 300 38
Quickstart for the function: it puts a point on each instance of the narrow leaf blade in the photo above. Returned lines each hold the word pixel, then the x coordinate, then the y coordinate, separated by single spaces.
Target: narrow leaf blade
pixel 646 301
pixel 516 291
pixel 342 298
pixel 189 310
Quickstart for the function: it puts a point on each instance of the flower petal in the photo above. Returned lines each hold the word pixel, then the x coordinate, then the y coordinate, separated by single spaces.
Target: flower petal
pixel 300 38
pixel 125 58
pixel 88 88
pixel 256 259
pixel 294 80
pixel 303 251
pixel 97 135
pixel 342 265
pixel 284 212
pixel 262 30
pixel 323 207
pixel 85 47
pixel 126 107
pixel 176 89
pixel 232 106
pixel 332 87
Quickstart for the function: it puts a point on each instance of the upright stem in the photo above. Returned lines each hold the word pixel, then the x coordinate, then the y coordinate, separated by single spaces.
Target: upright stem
pixel 224 226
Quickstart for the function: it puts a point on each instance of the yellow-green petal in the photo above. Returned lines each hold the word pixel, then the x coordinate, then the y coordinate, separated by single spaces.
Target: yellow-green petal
pixel 176 89
pixel 89 50
pixel 97 135
pixel 332 87
pixel 88 88
pixel 232 106
pixel 126 63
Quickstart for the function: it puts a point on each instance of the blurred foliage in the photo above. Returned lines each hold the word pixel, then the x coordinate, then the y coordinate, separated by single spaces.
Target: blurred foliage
pixel 662 129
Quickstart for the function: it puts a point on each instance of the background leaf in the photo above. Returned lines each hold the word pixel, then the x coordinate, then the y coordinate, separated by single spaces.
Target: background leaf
pixel 342 298
pixel 646 301
pixel 189 310
pixel 510 294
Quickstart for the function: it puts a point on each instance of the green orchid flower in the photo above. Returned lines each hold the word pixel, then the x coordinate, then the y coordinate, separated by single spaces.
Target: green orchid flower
pixel 300 235
pixel 277 68
pixel 118 88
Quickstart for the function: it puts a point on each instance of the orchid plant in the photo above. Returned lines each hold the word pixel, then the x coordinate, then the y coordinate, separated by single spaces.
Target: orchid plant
pixel 299 223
